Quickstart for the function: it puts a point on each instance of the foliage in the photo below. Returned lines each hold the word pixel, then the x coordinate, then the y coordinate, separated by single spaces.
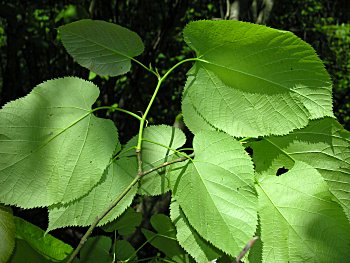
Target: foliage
pixel 275 101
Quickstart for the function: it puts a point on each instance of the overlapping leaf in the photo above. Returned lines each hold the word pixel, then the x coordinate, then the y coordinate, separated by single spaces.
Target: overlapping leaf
pixel 7 233
pixel 253 80
pixel 323 144
pixel 299 220
pixel 52 148
pixel 215 191
pixel 84 211
pixel 159 143
pixel 189 239
pixel 104 48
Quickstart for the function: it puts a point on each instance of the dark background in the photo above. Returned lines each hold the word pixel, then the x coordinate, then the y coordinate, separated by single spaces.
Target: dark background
pixel 30 51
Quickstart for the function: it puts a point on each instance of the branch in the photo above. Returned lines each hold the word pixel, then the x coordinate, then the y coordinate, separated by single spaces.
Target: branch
pixel 138 177
pixel 246 248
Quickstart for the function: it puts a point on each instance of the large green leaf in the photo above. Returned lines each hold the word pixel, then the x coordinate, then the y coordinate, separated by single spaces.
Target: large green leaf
pixel 48 246
pixel 299 220
pixel 165 238
pixel 7 233
pixel 216 192
pixel 253 80
pixel 53 149
pixel 104 48
pixel 83 212
pixel 323 144
pixel 159 143
pixel 25 253
pixel 189 239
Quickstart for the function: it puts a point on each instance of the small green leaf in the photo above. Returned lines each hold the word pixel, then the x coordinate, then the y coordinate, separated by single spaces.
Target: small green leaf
pixel 126 224
pixel 104 48
pixel 48 246
pixel 299 220
pixel 215 191
pixel 96 249
pixel 7 233
pixel 165 239
pixel 53 149
pixel 83 212
pixel 189 239
pixel 324 144
pixel 253 80
pixel 157 148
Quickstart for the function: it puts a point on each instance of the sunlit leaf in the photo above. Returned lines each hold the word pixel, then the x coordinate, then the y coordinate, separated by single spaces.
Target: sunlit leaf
pixel 299 220
pixel 215 191
pixel 53 149
pixel 252 80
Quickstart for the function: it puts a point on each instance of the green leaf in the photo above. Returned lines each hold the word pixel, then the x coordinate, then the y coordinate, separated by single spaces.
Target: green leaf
pixel 25 253
pixel 323 144
pixel 126 224
pixel 83 212
pixel 157 148
pixel 165 239
pixel 189 239
pixel 7 233
pixel 216 192
pixel 299 220
pixel 124 250
pixel 252 80
pixel 104 48
pixel 52 148
pixel 48 246
pixel 96 249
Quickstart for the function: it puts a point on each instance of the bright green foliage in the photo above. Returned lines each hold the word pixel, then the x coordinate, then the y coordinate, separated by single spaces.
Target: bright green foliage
pixel 323 144
pixel 125 224
pixel 215 191
pixel 83 212
pixel 7 233
pixel 165 238
pixel 96 250
pixel 300 222
pixel 253 80
pixel 48 246
pixel 52 148
pixel 104 48
pixel 189 239
pixel 158 147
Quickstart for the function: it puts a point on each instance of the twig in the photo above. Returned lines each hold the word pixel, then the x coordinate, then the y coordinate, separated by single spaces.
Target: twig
pixel 139 175
pixel 246 248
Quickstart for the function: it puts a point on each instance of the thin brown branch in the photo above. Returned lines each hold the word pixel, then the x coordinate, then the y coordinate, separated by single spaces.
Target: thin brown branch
pixel 246 248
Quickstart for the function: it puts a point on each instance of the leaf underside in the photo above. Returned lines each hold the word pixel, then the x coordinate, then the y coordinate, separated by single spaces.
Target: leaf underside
pixel 104 48
pixel 299 220
pixel 51 143
pixel 215 191
pixel 84 211
pixel 253 80
pixel 323 144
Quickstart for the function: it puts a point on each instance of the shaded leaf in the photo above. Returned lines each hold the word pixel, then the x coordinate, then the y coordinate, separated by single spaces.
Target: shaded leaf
pixel 155 151
pixel 83 212
pixel 7 233
pixel 323 144
pixel 96 249
pixel 25 253
pixel 48 246
pixel 124 250
pixel 299 220
pixel 189 239
pixel 165 238
pixel 216 193
pixel 104 48
pixel 252 80
pixel 50 143
pixel 126 224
